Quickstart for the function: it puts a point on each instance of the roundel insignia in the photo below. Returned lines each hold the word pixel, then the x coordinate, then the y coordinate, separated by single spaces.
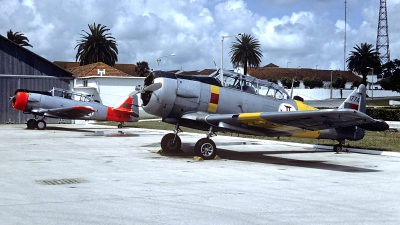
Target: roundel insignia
pixel 286 107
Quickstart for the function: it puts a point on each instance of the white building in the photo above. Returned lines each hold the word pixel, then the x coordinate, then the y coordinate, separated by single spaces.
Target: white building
pixel 105 84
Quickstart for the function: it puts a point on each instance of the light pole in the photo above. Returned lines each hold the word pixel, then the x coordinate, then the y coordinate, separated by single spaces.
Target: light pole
pixel 372 81
pixel 331 83
pixel 221 72
pixel 287 64
pixel 297 77
pixel 159 58
pixel 316 67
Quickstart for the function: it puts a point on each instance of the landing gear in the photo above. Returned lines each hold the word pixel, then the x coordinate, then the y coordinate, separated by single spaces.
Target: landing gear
pixel 40 124
pixel 339 147
pixel 120 125
pixel 32 124
pixel 171 142
pixel 205 148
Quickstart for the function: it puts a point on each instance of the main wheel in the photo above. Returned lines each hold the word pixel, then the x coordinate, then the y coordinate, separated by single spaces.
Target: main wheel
pixel 41 125
pixel 205 148
pixel 30 124
pixel 119 125
pixel 171 142
pixel 337 148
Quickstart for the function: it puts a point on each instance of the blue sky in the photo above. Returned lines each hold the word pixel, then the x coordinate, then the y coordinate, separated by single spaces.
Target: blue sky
pixel 307 33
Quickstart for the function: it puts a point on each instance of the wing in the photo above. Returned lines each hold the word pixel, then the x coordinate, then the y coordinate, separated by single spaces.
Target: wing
pixel 283 123
pixel 74 112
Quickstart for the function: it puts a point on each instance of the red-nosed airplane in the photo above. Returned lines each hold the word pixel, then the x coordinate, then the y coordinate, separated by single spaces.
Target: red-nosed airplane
pixel 65 104
pixel 244 104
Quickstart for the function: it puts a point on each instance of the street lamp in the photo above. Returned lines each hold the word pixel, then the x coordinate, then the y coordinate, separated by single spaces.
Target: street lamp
pixel 159 58
pixel 372 81
pixel 221 72
pixel 287 64
pixel 331 83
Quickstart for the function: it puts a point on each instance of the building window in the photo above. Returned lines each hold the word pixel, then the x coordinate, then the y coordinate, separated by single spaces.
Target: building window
pixel 85 83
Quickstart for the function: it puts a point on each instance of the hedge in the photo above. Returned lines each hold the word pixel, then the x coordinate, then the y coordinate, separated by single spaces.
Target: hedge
pixel 384 113
pixel 387 114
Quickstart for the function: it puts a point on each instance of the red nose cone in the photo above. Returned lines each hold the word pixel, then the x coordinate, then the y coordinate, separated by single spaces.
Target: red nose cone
pixel 20 101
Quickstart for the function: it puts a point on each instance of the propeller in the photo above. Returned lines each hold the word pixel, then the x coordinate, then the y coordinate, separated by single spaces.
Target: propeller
pixel 153 87
pixel 13 98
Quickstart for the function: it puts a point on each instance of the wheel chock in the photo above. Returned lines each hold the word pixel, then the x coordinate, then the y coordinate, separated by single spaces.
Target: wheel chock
pixel 217 157
pixel 198 158
pixel 160 151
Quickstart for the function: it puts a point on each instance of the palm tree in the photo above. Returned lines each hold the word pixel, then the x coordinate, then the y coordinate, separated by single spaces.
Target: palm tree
pixel 18 38
pixel 142 69
pixel 97 46
pixel 363 59
pixel 246 52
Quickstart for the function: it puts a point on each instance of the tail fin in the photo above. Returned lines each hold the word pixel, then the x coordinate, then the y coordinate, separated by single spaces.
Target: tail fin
pixel 356 100
pixel 131 105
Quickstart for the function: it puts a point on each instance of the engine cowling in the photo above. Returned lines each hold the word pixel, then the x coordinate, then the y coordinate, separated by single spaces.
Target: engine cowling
pixel 161 101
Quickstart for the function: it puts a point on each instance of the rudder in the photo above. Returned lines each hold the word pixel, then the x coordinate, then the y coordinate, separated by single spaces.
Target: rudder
pixel 356 100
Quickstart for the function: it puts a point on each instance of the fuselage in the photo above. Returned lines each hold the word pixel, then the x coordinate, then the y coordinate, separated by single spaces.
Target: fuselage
pixel 181 94
pixel 67 106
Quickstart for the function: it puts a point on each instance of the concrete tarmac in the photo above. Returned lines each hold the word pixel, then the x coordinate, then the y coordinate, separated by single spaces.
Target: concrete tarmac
pixel 92 174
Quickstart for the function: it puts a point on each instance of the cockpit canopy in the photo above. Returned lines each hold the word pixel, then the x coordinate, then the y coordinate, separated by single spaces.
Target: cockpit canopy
pixel 70 95
pixel 251 84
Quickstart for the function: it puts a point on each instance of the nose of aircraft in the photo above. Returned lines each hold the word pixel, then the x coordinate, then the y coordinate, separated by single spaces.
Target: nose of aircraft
pixel 20 100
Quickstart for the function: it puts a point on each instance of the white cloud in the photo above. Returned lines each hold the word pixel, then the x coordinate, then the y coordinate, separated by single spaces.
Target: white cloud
pixel 147 29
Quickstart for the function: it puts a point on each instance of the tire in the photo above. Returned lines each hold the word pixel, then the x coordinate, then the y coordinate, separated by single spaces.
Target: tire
pixel 31 124
pixel 119 125
pixel 205 148
pixel 169 145
pixel 337 148
pixel 41 124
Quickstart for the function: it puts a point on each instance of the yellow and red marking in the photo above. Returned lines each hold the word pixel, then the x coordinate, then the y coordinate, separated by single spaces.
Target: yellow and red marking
pixel 214 99
pixel 348 105
pixel 301 106
pixel 255 120
pixel 21 101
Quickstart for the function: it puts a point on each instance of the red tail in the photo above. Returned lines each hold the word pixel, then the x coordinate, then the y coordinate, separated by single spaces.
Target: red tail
pixel 127 105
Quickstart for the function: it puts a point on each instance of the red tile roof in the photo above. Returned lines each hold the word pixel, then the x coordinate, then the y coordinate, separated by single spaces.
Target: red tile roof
pixel 301 73
pixel 96 69
pixel 129 69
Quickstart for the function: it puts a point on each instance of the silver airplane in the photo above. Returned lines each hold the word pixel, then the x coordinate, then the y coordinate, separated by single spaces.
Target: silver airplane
pixel 65 104
pixel 247 105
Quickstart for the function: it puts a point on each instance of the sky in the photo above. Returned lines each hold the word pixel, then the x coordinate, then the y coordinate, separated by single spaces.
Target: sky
pixel 292 33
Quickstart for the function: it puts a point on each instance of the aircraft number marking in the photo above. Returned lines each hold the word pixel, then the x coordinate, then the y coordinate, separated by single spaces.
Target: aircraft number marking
pixel 354 99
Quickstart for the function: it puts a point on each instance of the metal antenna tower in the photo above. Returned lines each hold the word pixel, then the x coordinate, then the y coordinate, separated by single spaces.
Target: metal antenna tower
pixel 382 39
pixel 345 30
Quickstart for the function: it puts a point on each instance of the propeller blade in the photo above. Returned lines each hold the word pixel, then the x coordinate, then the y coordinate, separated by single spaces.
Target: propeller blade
pixel 12 98
pixel 153 87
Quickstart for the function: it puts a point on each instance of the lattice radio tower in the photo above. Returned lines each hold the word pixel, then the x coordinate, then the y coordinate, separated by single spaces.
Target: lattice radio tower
pixel 382 39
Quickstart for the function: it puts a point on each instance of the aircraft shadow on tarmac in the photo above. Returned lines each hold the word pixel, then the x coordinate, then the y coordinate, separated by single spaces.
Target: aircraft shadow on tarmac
pixel 268 157
pixel 92 130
